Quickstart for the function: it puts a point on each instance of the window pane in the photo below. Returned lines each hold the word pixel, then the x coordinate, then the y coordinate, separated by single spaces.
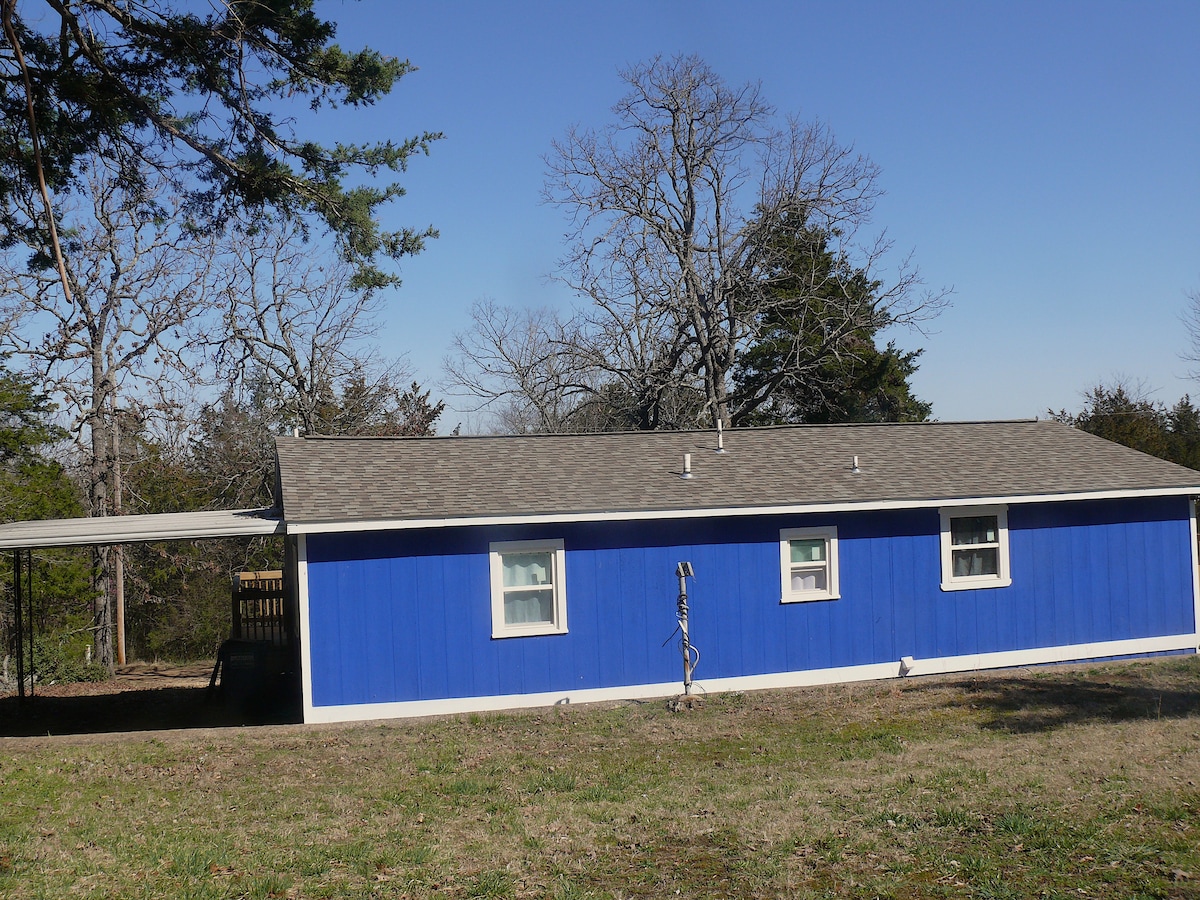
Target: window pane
pixel 974 530
pixel 527 569
pixel 984 561
pixel 809 580
pixel 526 607
pixel 808 550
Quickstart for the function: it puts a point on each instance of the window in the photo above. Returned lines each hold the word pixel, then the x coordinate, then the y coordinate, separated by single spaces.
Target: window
pixel 975 548
pixel 809 564
pixel 528 595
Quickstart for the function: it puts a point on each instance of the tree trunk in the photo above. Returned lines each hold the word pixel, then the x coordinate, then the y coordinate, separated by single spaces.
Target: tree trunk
pixel 99 473
pixel 102 631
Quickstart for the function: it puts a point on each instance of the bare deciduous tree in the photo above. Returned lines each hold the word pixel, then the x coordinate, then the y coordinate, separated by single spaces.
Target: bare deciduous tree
pixel 519 364
pixel 1191 322
pixel 681 209
pixel 296 325
pixel 534 372
pixel 136 282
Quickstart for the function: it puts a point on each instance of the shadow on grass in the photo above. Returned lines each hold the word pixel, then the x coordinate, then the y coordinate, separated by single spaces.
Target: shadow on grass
pixel 1046 701
pixel 139 710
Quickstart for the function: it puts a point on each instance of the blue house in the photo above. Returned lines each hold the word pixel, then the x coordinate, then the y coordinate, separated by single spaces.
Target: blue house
pixel 440 575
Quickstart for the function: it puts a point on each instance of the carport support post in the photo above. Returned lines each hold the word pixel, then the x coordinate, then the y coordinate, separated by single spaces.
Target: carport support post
pixel 119 592
pixel 31 620
pixel 18 625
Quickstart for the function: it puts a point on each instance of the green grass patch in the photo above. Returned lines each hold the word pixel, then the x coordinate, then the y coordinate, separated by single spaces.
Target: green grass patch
pixel 1062 782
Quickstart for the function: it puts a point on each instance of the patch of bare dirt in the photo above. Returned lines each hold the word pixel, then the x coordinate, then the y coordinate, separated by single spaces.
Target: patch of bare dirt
pixel 139 697
pixel 135 677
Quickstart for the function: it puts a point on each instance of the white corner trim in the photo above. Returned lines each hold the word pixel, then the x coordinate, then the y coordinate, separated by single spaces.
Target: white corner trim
pixel 348 525
pixel 1195 570
pixel 808 678
pixel 305 643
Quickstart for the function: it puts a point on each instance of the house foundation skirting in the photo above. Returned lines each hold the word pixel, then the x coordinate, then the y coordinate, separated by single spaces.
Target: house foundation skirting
pixel 907 667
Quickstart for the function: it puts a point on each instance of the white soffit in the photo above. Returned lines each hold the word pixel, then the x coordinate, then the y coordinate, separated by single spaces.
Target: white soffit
pixel 140 529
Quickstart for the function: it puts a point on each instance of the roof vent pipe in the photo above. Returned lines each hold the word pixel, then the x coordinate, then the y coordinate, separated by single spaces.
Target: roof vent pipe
pixel 687 465
pixel 720 438
pixel 854 466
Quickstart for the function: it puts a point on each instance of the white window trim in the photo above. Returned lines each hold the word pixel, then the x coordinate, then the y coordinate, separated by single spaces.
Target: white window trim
pixel 558 561
pixel 786 536
pixel 1003 577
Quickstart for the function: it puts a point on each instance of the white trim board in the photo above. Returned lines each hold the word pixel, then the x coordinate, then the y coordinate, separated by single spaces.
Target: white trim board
pixel 305 626
pixel 351 525
pixel 106 530
pixel 1195 571
pixel 846 674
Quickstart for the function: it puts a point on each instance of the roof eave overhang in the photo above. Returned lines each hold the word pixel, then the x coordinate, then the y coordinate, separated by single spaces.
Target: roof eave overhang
pixel 110 530
pixel 408 524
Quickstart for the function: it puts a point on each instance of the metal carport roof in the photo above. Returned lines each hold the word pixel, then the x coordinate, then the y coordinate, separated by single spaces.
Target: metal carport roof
pixel 134 529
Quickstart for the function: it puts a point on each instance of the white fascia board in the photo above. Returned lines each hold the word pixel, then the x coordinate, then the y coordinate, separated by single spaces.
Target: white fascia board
pixel 349 525
pixel 805 678
pixel 98 530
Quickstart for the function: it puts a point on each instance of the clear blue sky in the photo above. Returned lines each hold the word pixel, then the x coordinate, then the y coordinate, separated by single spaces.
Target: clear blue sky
pixel 1043 159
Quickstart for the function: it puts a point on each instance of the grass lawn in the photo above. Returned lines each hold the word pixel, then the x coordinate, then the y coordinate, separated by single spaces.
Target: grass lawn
pixel 1059 782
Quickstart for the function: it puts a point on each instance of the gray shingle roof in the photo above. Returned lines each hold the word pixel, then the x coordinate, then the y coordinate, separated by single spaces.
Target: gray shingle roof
pixel 404 479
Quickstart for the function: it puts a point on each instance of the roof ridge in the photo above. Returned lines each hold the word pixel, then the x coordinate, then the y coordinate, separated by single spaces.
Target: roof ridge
pixel 811 426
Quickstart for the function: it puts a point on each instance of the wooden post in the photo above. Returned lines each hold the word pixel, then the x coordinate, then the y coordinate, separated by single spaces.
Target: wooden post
pixel 30 619
pixel 119 590
pixel 17 624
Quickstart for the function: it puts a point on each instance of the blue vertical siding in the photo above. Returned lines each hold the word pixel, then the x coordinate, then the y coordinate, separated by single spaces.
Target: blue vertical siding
pixel 407 615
